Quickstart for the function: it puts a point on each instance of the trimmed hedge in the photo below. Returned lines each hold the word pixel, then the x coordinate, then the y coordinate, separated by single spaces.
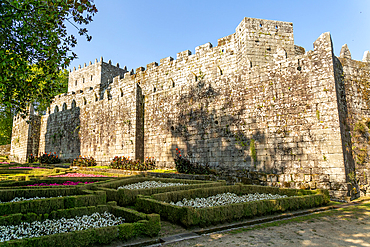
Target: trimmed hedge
pixel 15 184
pixel 42 206
pixel 189 216
pixel 128 197
pixel 137 224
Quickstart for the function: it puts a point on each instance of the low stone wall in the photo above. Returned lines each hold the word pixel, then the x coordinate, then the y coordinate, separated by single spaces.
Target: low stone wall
pixel 5 149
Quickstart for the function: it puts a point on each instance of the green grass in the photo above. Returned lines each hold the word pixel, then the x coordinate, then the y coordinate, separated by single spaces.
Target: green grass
pixel 344 213
pixel 162 171
pixel 23 174
pixel 102 167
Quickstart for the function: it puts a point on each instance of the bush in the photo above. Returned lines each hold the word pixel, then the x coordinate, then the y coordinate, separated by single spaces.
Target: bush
pixel 32 158
pixel 189 216
pixel 121 162
pixel 84 161
pixel 46 158
pixel 184 165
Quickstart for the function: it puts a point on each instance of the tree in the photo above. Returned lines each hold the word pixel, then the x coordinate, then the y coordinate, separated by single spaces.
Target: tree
pixel 35 46
pixel 7 113
pixel 6 123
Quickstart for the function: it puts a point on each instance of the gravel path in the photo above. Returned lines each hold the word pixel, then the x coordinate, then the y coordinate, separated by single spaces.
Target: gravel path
pixel 340 228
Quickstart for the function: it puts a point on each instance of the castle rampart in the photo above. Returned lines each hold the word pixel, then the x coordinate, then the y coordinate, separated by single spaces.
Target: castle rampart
pixel 255 103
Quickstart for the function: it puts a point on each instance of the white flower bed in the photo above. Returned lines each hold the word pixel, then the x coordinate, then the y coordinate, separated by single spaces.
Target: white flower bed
pixel 20 199
pixel 49 227
pixel 148 184
pixel 224 199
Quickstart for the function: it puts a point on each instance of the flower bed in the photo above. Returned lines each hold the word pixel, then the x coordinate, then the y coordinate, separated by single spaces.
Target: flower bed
pixel 21 199
pixel 74 175
pixel 83 231
pixel 125 163
pixel 51 180
pixel 189 216
pixel 148 185
pixel 48 227
pixel 67 183
pixel 225 199
pixel 26 167
pixel 125 196
pixel 54 199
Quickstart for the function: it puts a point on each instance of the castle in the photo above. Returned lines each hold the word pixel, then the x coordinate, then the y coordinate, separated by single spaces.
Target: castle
pixel 255 106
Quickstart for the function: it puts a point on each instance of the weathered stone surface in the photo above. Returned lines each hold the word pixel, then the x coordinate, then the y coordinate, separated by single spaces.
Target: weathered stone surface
pixel 366 57
pixel 256 90
pixel 5 149
pixel 344 52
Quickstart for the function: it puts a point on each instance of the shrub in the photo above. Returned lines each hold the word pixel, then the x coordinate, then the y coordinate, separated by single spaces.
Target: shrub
pixel 46 158
pixel 184 165
pixel 125 163
pixel 84 161
pixel 32 158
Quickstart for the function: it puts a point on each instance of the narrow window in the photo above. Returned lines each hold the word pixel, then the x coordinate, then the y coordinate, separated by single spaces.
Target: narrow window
pixel 76 83
pixel 73 105
pixel 83 80
pixel 154 90
pixel 121 92
pixel 173 84
pixel 64 107
pixel 85 102
pixel 91 77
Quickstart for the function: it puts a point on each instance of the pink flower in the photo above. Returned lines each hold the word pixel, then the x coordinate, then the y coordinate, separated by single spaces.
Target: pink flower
pixel 64 184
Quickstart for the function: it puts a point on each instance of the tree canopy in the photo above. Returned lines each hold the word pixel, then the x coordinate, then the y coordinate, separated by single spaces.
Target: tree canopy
pixel 35 47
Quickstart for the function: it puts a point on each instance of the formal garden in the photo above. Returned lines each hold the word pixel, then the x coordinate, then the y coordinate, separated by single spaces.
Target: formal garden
pixel 47 202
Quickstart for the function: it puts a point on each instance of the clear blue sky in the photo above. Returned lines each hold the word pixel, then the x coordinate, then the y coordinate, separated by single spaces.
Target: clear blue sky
pixel 135 33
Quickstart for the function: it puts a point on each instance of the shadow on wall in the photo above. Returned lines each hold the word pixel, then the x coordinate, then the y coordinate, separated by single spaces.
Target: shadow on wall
pixel 62 133
pixel 214 131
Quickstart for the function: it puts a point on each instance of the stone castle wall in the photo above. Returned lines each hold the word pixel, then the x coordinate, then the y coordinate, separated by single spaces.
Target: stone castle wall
pixel 5 149
pixel 254 104
pixel 355 104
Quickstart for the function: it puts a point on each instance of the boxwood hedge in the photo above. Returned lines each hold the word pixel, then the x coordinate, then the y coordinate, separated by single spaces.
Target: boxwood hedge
pixel 189 216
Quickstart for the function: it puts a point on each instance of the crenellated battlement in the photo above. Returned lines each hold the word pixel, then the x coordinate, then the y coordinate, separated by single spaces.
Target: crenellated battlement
pixel 98 73
pixel 255 102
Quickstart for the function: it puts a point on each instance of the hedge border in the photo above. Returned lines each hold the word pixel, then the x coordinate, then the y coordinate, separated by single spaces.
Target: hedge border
pixel 141 224
pixel 11 184
pixel 128 197
pixel 189 216
pixel 69 199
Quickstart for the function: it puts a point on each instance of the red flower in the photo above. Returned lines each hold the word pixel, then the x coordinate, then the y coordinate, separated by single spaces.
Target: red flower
pixel 177 149
pixel 180 155
pixel 55 152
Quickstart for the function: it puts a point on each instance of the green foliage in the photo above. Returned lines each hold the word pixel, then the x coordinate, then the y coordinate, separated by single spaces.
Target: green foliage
pixel 6 123
pixel 46 158
pixel 35 45
pixel 128 197
pixel 84 161
pixel 361 156
pixel 361 127
pixel 184 165
pixel 125 163
pixel 72 198
pixel 253 151
pixel 189 216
